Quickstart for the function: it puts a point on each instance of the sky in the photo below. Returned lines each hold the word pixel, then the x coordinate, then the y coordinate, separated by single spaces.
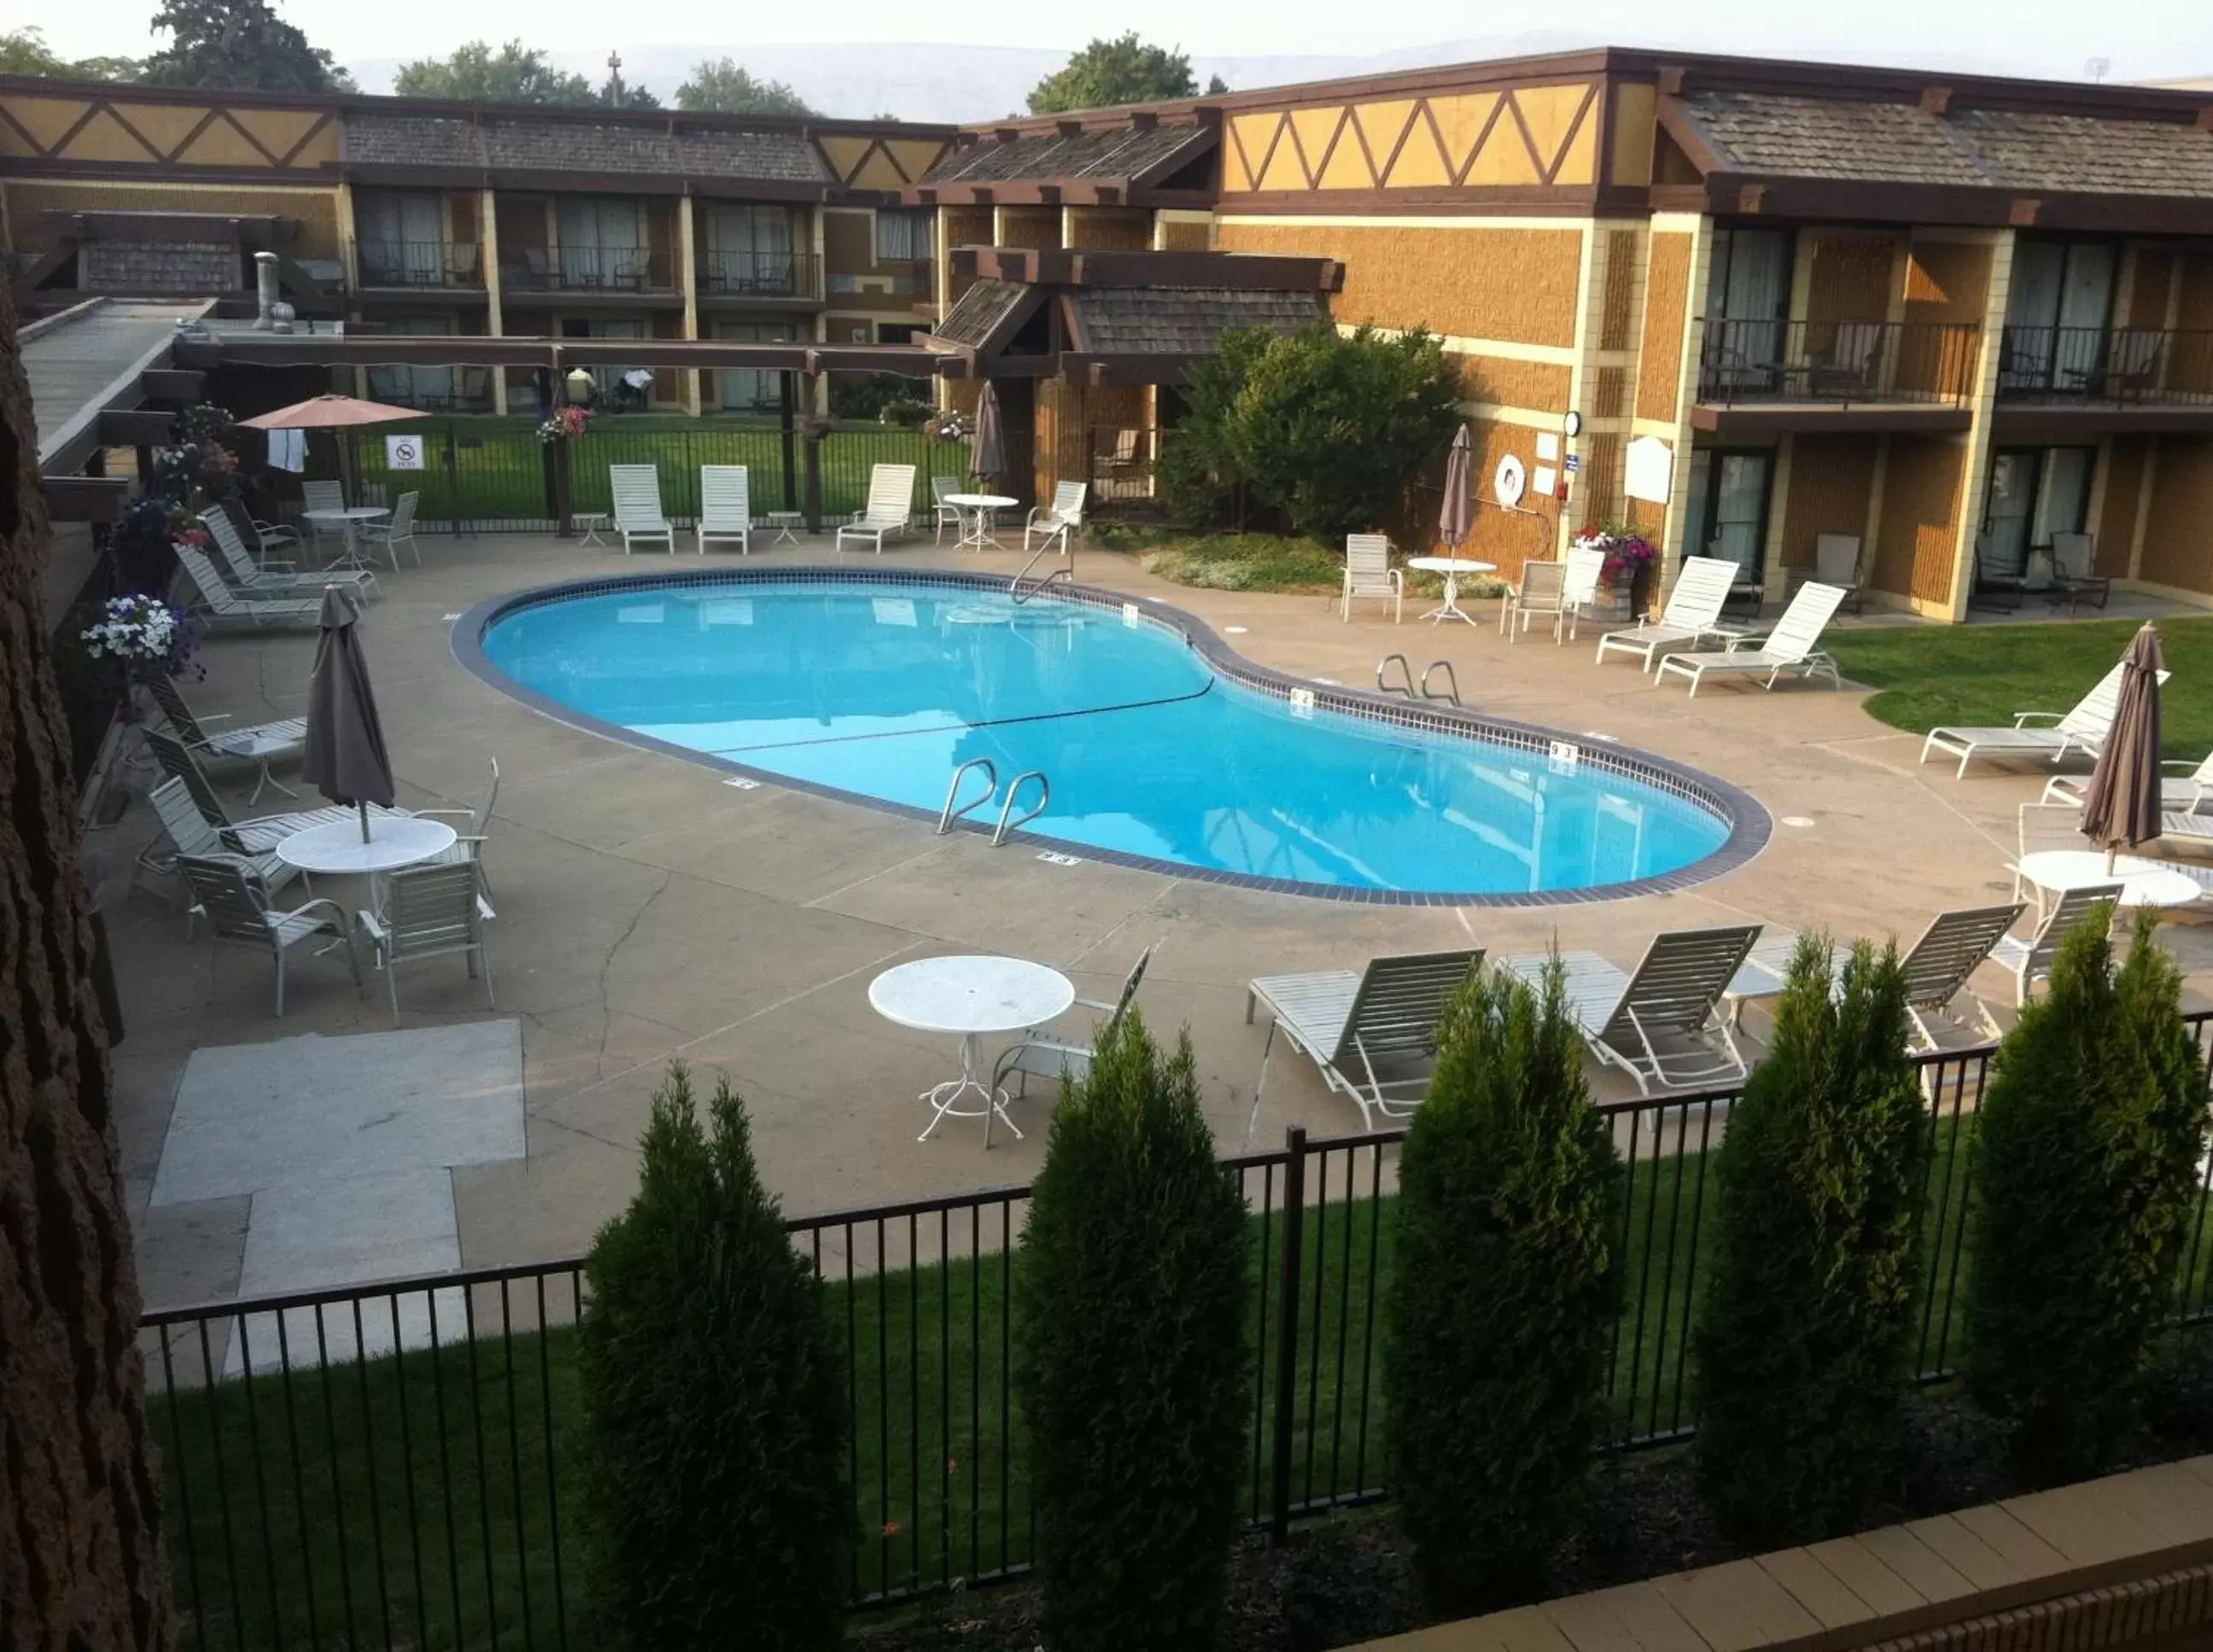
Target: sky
pixel 2139 38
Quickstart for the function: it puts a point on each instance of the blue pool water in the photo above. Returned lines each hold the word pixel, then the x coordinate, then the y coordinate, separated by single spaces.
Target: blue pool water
pixel 881 688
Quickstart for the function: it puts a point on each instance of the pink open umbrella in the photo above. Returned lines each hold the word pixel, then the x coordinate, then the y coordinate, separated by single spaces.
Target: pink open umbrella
pixel 332 413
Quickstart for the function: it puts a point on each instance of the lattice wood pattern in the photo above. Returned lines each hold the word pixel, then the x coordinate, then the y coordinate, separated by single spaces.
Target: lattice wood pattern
pixel 1529 136
pixel 139 130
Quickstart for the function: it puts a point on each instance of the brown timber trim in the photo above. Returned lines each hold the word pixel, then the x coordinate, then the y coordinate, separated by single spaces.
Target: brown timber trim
pixel 1083 368
pixel 452 349
pixel 86 498
pixel 1732 421
pixel 2141 420
pixel 1491 200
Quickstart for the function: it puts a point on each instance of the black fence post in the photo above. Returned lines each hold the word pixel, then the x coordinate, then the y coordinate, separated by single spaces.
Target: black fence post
pixel 787 398
pixel 814 501
pixel 1287 1331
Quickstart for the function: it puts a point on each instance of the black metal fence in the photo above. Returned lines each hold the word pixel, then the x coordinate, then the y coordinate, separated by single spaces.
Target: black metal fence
pixel 2133 366
pixel 394 1465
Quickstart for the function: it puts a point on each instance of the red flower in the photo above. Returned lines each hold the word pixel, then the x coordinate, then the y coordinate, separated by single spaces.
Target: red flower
pixel 891 1528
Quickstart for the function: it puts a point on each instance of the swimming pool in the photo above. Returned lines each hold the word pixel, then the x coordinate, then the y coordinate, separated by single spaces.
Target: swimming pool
pixel 1161 747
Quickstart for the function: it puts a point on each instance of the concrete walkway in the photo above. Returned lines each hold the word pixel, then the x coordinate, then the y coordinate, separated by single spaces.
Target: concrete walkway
pixel 647 912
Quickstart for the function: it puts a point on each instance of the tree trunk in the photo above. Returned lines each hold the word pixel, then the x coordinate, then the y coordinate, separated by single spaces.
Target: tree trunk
pixel 82 1559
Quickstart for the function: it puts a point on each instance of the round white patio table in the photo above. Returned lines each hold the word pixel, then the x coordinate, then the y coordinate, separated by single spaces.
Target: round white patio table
pixel 395 841
pixel 346 521
pixel 1455 568
pixel 970 995
pixel 978 534
pixel 2143 883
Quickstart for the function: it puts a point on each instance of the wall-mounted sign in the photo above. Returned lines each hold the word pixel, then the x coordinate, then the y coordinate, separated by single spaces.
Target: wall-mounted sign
pixel 1548 445
pixel 403 452
pixel 1546 481
pixel 1651 467
pixel 1509 480
pixel 1573 462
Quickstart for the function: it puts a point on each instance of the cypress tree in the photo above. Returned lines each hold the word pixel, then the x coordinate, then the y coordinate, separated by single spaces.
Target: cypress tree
pixel 1504 1293
pixel 2086 1183
pixel 1130 1299
pixel 1804 1337
pixel 713 1413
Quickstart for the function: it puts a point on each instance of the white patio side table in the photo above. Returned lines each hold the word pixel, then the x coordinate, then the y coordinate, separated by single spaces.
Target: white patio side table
pixel 1455 568
pixel 970 994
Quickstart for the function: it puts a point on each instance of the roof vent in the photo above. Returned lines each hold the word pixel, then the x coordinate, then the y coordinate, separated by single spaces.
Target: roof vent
pixel 1068 128
pixel 1937 101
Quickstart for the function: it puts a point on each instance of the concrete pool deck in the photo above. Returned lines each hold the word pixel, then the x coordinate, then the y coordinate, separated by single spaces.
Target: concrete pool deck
pixel 649 913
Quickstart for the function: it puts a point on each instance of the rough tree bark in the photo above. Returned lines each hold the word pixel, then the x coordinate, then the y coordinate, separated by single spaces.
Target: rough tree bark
pixel 82 1559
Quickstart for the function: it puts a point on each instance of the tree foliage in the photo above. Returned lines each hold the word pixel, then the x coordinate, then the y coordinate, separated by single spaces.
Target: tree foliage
pixel 713 1404
pixel 724 86
pixel 238 44
pixel 1131 1326
pixel 2087 1148
pixel 25 51
pixel 1504 1294
pixel 476 73
pixel 1107 72
pixel 1805 1333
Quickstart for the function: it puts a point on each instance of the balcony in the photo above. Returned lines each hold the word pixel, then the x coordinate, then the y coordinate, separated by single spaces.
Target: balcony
pixel 420 265
pixel 2065 367
pixel 609 270
pixel 1837 365
pixel 772 275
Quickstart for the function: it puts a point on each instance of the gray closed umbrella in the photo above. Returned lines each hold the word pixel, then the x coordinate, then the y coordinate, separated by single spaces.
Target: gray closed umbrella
pixel 2121 808
pixel 345 756
pixel 1457 519
pixel 987 455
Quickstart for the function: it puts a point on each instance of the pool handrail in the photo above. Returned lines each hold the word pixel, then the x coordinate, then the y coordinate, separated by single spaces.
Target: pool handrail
pixel 948 814
pixel 1044 802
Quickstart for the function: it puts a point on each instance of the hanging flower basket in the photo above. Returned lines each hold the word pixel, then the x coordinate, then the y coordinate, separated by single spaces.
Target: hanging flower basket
pixel 1628 570
pixel 565 425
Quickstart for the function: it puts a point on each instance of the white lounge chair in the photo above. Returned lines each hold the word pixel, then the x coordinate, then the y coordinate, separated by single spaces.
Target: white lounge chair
pixel 726 510
pixel 2028 958
pixel 1586 567
pixel 238 914
pixel 187 833
pixel 397 530
pixel 256 836
pixel 429 911
pixel 891 495
pixel 266 536
pixel 220 608
pixel 1060 520
pixel 1369 572
pixel 1937 968
pixel 1372 1032
pixel 1672 996
pixel 944 515
pixel 253 580
pixel 2082 729
pixel 1789 650
pixel 1047 1057
pixel 1691 616
pixel 2189 793
pixel 634 491
pixel 255 743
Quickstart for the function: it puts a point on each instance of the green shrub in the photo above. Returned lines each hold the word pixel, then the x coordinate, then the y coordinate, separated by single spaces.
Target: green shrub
pixel 2086 1178
pixel 1196 474
pixel 1504 1297
pixel 1804 1337
pixel 713 1404
pixel 1130 1318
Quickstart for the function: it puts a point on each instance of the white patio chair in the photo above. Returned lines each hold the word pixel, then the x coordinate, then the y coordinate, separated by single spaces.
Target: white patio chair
pixel 891 493
pixel 395 531
pixel 1369 572
pixel 1060 520
pixel 635 493
pixel 943 516
pixel 2041 828
pixel 255 743
pixel 2083 730
pixel 1046 1056
pixel 1543 592
pixel 429 911
pixel 2028 958
pixel 1837 562
pixel 1672 995
pixel 321 496
pixel 1691 616
pixel 187 833
pixel 220 608
pixel 238 914
pixel 1579 594
pixel 1789 650
pixel 467 847
pixel 1372 1032
pixel 2074 576
pixel 726 510
pixel 253 580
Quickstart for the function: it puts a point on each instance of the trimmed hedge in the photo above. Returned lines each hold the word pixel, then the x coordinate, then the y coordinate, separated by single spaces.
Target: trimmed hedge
pixel 1129 1326
pixel 713 1405
pixel 1805 1339
pixel 1505 1288
pixel 2087 1180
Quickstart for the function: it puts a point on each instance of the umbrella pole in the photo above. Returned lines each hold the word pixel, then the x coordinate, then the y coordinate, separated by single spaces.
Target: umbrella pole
pixel 363 807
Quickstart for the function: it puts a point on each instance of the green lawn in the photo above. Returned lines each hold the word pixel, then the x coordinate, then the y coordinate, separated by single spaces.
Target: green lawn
pixel 1981 674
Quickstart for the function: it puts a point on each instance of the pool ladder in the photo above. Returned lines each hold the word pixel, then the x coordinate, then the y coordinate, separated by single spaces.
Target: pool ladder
pixel 1007 822
pixel 1406 683
pixel 1066 570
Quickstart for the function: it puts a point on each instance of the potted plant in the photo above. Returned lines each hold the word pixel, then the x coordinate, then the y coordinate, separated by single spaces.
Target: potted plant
pixel 1631 559
pixel 142 635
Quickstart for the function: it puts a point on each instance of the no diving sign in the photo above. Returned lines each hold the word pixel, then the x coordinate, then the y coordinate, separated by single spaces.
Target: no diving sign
pixel 403 452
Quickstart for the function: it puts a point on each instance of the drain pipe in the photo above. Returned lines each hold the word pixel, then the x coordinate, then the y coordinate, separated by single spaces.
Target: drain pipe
pixel 264 283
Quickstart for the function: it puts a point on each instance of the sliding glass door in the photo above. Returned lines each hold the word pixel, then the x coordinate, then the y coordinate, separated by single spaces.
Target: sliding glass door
pixel 1747 302
pixel 1727 516
pixel 2034 492
pixel 2056 313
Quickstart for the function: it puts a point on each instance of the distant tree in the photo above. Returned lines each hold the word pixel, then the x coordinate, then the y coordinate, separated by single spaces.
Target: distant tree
pixel 722 86
pixel 1107 72
pixel 25 51
pixel 475 73
pixel 1216 86
pixel 238 44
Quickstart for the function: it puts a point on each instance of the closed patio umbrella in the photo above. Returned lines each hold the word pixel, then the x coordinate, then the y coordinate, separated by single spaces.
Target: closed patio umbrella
pixel 345 756
pixel 987 455
pixel 1457 519
pixel 2122 808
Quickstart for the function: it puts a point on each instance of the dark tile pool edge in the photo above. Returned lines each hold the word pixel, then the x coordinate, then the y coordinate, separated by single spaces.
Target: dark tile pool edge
pixel 1748 821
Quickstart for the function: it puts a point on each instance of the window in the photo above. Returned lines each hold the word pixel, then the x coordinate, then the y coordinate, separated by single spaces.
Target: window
pixel 1727 516
pixel 439 389
pixel 750 390
pixel 600 243
pixel 401 240
pixel 902 234
pixel 2034 492
pixel 895 333
pixel 749 250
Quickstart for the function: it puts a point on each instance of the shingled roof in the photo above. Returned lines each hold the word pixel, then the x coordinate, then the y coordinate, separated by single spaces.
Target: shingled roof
pixel 977 311
pixel 1184 321
pixel 1123 154
pixel 1771 135
pixel 528 146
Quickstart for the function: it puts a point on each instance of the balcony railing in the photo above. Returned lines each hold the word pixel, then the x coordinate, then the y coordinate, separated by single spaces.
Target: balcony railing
pixel 2134 366
pixel 1837 363
pixel 757 275
pixel 419 263
pixel 590 269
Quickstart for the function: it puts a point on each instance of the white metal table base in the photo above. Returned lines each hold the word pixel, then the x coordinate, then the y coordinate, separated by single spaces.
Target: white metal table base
pixel 1451 608
pixel 981 533
pixel 945 1097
